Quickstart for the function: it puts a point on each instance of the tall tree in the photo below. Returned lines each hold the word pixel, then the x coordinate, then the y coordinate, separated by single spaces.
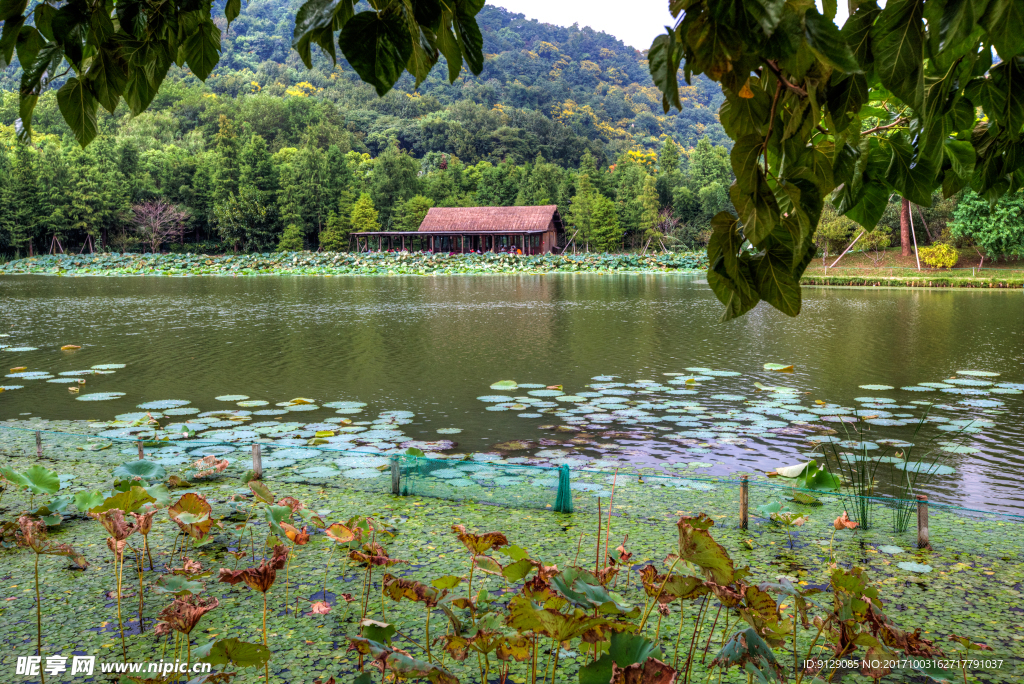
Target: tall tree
pixel 393 181
pixel 227 169
pixel 364 217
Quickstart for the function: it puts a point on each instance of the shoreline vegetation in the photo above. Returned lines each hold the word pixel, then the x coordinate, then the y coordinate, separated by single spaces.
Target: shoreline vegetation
pixel 426 263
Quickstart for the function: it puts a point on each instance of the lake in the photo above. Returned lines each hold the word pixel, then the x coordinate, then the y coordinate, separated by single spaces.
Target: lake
pixel 433 345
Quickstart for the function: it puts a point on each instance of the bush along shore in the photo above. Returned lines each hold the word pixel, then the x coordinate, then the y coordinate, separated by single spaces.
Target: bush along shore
pixel 339 263
pixel 1011 280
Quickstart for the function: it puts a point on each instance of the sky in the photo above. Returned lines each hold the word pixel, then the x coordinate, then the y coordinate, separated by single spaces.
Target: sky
pixel 634 23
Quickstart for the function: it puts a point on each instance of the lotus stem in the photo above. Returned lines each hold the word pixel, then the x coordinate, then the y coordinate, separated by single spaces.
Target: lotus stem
pixel 366 596
pixel 707 644
pixel 429 658
pixel 597 561
pixel 608 527
pixel 469 589
pixel 579 544
pixel 120 624
pixel 145 546
pixel 657 629
pixel 679 637
pixel 266 665
pixel 533 673
pixel 657 596
pixel 701 614
pixel 554 667
pixel 39 622
pixel 287 567
pixel 139 561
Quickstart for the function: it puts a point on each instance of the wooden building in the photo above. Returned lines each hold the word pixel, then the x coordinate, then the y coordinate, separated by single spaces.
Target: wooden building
pixel 530 230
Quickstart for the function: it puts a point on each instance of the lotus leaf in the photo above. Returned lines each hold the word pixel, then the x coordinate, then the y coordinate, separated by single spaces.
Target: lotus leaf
pixel 164 404
pixel 890 549
pixel 128 501
pixel 100 396
pixel 143 470
pixel 911 566
pixel 925 468
pixel 192 513
pixel 231 397
pixel 781 367
pixel 748 650
pixel 36 479
pixel 237 653
pixel 179 585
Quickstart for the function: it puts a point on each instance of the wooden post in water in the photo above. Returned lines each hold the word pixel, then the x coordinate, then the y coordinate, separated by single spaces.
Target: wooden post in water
pixel 39 443
pixel 744 501
pixel 922 522
pixel 257 462
pixel 142 451
pixel 396 477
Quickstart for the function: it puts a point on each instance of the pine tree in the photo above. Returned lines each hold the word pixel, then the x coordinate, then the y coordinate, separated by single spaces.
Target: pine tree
pixel 607 233
pixel 649 210
pixel 580 212
pixel 25 200
pixel 364 217
pixel 669 174
pixel 257 168
pixel 334 238
pixel 291 240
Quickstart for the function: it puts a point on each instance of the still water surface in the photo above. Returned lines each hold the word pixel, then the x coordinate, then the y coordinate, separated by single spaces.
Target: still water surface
pixel 433 345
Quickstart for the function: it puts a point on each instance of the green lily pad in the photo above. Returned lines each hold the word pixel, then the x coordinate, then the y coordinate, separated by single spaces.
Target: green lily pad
pixel 505 385
pixel 926 468
pixel 910 566
pixel 232 397
pixel 890 549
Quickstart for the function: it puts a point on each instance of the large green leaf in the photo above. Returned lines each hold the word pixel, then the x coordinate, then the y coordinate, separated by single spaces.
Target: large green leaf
pixel 129 501
pixel 37 479
pixel 898 46
pixel 697 546
pixel 857 32
pixel 748 650
pixel 142 469
pixel 237 653
pixel 828 43
pixel 377 45
pixel 78 107
pixel 1003 20
pixel 776 284
pixel 202 49
pixel 663 62
pixel 107 78
pixel 179 585
pixel 624 649
pixel 86 500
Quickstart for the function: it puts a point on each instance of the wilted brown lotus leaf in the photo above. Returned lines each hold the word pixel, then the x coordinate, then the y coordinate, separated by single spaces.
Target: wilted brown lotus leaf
pixel 373 554
pixel 192 514
pixel 32 534
pixel 398 588
pixel 262 577
pixel 479 543
pixel 342 534
pixel 292 503
pixel 144 521
pixel 319 608
pixel 301 538
pixel 114 523
pixel 651 671
pixel 184 612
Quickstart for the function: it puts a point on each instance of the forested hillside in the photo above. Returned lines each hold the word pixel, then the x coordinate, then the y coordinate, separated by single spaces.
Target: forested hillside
pixel 269 155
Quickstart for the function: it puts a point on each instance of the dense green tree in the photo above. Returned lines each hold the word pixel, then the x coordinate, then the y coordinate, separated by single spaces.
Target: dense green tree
pixel 257 168
pixel 412 212
pixel 998 231
pixel 227 168
pixel 292 239
pixel 248 220
pixel 334 237
pixel 24 200
pixel 364 217
pixel 393 181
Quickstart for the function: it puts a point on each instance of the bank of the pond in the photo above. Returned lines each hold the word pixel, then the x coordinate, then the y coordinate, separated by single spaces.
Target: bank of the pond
pixel 1009 281
pixel 348 263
